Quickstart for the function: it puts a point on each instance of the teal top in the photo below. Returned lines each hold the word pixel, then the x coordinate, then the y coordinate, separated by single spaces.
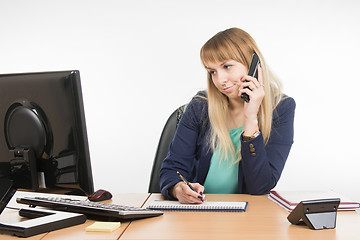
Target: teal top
pixel 222 176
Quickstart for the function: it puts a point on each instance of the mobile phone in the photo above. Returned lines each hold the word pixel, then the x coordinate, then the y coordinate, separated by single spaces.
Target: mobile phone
pixel 253 72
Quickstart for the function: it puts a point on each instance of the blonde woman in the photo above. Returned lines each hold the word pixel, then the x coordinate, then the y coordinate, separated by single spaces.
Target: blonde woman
pixel 224 144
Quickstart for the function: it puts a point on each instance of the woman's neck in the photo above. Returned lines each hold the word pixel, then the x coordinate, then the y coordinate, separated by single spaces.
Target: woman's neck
pixel 236 114
pixel 236 104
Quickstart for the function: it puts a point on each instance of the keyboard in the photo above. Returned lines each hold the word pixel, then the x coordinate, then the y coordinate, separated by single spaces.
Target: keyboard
pixel 90 209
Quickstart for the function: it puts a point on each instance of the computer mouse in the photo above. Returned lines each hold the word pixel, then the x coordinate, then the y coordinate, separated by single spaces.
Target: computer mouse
pixel 100 195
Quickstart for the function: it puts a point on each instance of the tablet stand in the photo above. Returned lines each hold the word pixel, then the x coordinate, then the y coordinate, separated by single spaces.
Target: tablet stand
pixel 316 214
pixel 40 221
pixel 45 221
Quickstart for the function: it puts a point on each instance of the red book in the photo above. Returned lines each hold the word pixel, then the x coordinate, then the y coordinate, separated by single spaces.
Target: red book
pixel 290 199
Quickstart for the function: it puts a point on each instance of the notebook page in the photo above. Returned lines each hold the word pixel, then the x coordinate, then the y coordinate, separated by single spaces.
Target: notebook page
pixel 206 206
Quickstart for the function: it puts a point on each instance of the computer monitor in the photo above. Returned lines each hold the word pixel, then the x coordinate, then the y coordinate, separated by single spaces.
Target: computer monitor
pixel 43 138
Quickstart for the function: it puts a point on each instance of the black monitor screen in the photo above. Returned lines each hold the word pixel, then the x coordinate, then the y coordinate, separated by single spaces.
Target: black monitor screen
pixel 43 139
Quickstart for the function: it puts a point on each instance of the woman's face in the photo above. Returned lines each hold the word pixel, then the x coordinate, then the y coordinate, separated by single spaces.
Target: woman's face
pixel 226 76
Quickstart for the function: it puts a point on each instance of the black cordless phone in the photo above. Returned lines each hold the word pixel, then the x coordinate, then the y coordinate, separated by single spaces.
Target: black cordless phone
pixel 255 61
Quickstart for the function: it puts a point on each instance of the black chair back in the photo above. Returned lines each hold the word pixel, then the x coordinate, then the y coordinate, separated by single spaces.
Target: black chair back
pixel 163 148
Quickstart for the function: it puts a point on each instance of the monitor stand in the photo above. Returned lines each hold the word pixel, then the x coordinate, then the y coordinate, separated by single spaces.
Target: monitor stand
pixel 41 220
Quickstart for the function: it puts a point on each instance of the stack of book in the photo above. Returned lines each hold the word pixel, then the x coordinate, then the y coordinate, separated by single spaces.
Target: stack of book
pixel 290 199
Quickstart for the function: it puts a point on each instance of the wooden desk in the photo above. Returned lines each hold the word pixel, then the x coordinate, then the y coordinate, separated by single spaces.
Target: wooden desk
pixel 263 219
pixel 78 231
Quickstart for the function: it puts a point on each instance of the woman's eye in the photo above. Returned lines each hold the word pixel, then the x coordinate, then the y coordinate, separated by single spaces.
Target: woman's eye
pixel 227 66
pixel 212 72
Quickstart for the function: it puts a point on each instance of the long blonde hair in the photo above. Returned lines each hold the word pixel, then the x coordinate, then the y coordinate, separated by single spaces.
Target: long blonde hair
pixel 236 44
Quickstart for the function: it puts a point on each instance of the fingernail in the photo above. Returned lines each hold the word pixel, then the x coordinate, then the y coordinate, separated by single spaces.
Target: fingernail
pixel 201 193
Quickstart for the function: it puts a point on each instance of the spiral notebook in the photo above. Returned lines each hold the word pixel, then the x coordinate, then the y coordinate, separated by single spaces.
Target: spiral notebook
pixel 205 207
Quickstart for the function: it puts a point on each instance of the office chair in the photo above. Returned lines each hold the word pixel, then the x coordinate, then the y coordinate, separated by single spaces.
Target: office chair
pixel 163 148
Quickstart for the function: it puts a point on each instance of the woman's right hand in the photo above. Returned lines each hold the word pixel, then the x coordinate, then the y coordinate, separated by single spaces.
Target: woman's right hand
pixel 184 194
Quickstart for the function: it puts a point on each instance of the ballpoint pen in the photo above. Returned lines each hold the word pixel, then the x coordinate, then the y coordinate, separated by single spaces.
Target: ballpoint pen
pixel 190 186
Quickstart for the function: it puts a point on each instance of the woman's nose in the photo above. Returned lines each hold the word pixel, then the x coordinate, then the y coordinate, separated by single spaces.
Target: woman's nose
pixel 223 79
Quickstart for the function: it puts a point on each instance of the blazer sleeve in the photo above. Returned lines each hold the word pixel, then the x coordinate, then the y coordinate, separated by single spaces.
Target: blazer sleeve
pixel 182 150
pixel 262 165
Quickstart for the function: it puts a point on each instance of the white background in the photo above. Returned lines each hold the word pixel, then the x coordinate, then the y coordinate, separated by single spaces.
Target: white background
pixel 139 60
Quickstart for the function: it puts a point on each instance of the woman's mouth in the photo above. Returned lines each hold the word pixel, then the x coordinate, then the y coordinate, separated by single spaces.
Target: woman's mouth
pixel 228 89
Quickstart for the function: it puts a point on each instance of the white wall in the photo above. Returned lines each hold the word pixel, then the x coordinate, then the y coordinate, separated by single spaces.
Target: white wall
pixel 139 60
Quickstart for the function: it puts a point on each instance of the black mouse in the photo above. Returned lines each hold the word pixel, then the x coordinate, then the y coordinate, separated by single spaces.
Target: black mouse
pixel 100 195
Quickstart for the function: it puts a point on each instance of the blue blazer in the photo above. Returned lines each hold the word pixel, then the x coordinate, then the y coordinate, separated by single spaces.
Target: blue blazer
pixel 190 152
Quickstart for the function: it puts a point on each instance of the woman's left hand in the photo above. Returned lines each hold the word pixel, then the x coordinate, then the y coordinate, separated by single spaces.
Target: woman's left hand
pixel 256 94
